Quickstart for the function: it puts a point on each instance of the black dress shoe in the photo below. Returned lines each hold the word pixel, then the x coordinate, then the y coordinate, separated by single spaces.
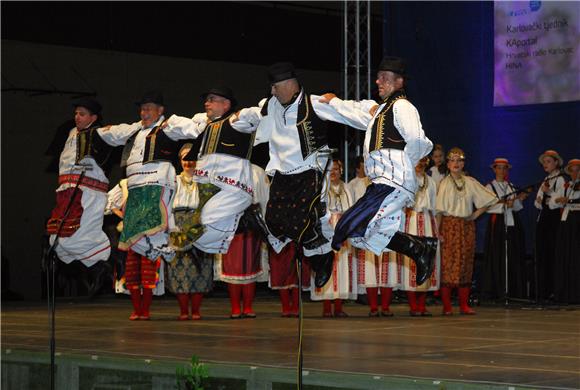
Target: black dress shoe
pixel 421 249
pixel 322 267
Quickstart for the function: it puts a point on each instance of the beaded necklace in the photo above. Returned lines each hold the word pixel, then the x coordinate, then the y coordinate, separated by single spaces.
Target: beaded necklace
pixel 459 187
pixel 188 183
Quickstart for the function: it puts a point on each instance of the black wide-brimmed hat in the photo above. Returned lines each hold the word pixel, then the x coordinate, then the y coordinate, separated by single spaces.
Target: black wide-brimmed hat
pixel 394 64
pixel 89 103
pixel 155 97
pixel 281 71
pixel 222 91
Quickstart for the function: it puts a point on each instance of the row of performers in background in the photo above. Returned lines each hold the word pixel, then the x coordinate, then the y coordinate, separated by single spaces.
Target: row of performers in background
pixel 188 222
pixel 556 258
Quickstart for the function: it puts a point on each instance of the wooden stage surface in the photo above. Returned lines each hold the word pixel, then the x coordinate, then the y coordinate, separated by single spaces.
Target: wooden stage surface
pixel 526 347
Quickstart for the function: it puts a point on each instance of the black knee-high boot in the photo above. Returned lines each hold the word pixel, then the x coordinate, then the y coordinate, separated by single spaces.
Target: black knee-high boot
pixel 421 249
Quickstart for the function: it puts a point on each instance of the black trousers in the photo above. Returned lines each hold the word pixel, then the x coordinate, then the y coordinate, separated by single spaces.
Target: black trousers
pixel 294 208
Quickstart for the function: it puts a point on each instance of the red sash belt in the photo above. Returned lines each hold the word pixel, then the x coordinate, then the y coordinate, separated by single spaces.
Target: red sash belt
pixel 88 182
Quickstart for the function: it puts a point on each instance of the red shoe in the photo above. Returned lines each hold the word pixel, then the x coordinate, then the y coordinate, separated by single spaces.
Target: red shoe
pixel 183 317
pixel 468 311
pixel 134 316
pixel 196 317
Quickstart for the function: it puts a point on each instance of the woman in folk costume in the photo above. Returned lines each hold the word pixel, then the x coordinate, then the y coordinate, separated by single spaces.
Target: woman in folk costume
pixel 567 255
pixel 548 222
pixel 116 199
pixel 245 263
pixel 342 282
pixel 501 215
pixel 188 276
pixel 420 221
pixel 439 170
pixel 375 274
pixel 456 196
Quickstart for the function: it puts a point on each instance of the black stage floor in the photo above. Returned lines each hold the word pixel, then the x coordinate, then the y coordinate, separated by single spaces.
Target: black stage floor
pixel 539 348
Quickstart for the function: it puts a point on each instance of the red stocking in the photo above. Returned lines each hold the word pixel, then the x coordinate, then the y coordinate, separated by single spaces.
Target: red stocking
pixel 285 299
pixel 146 303
pixel 136 301
pixel 445 293
pixel 338 307
pixel 463 300
pixel 327 308
pixel 235 291
pixel 412 298
pixel 295 298
pixel 183 300
pixel 196 299
pixel 373 297
pixel 248 292
pixel 386 294
pixel 421 298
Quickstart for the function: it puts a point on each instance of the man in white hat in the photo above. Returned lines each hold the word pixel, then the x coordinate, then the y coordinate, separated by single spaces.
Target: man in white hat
pixel 548 222
pixel 567 254
pixel 503 218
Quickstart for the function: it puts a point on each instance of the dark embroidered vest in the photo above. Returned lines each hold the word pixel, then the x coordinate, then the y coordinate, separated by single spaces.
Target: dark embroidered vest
pixel 312 131
pixel 220 137
pixel 90 143
pixel 384 133
pixel 158 147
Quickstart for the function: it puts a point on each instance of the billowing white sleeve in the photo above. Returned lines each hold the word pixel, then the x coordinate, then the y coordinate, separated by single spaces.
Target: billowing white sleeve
pixel 407 121
pixel 538 199
pixel 118 135
pixel 261 187
pixel 248 120
pixel 180 127
pixel 518 205
pixel 558 192
pixel 348 112
pixel 264 130
pixel 497 208
pixel 115 199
